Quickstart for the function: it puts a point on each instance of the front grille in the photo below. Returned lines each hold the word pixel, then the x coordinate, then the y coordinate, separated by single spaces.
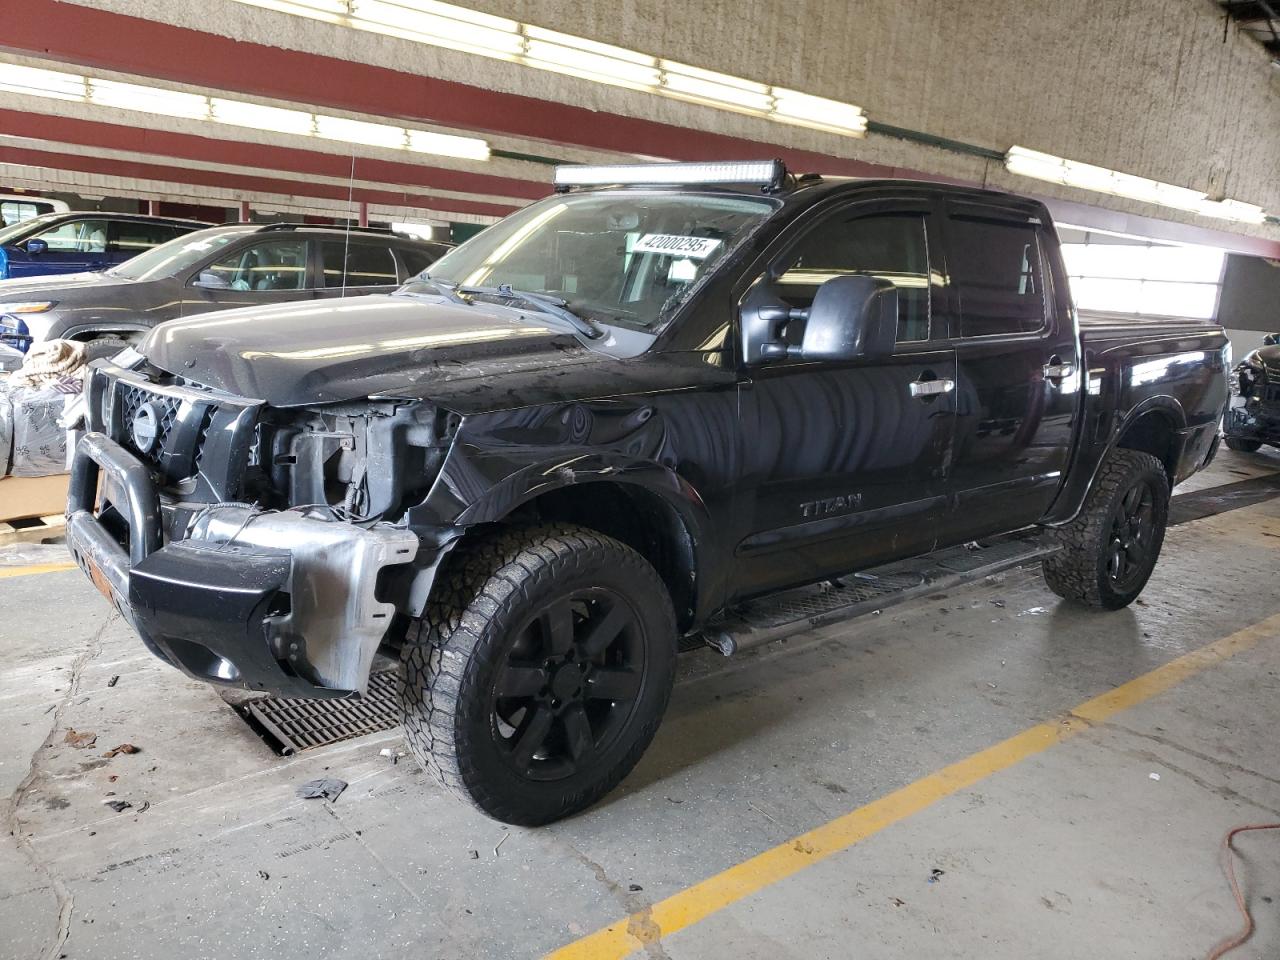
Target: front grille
pixel 182 427
pixel 131 400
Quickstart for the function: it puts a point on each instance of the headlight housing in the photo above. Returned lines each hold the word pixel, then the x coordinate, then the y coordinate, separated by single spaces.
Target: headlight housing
pixel 13 308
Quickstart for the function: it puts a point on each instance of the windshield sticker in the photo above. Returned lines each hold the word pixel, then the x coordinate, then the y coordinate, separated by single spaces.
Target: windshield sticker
pixel 699 248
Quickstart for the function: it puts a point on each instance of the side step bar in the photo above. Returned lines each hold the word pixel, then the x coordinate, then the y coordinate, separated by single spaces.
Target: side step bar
pixel 779 615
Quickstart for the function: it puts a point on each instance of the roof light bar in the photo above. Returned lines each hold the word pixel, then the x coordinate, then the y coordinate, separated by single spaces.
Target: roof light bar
pixel 147 98
pixel 1086 176
pixel 765 173
pixel 458 28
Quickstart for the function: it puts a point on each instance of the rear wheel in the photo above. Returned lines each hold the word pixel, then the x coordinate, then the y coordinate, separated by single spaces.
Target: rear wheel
pixel 1106 554
pixel 539 672
pixel 1244 446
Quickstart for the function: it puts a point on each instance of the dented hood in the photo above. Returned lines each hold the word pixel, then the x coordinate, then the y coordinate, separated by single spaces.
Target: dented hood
pixel 324 351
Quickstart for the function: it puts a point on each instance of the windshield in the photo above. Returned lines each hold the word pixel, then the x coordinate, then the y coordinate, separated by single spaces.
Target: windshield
pixel 22 226
pixel 623 258
pixel 177 255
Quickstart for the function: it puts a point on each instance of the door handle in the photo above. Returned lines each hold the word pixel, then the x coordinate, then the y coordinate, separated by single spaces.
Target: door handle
pixel 931 388
pixel 1055 369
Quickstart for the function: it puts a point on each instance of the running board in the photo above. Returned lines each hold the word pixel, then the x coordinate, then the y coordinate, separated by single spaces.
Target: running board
pixel 780 615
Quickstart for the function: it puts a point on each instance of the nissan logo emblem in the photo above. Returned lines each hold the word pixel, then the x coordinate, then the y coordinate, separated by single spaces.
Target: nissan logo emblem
pixel 146 427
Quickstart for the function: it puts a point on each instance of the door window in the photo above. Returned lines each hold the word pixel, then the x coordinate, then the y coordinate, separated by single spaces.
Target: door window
pixel 278 265
pixel 76 236
pixel 130 237
pixel 16 211
pixel 995 272
pixel 890 246
pixel 367 264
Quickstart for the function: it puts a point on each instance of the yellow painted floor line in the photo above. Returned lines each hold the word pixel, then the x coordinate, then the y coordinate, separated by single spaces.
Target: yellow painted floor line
pixel 700 901
pixel 35 568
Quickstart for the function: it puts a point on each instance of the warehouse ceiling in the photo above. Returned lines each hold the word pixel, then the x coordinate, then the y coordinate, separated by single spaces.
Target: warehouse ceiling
pixel 316 105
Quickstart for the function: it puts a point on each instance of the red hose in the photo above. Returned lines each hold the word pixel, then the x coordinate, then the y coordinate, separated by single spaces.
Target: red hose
pixel 1227 851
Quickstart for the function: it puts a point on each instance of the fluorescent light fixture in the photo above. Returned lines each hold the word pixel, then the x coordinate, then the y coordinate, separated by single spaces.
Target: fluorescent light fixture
pixel 762 172
pixel 458 28
pixel 1086 176
pixel 135 96
pixel 427 26
pixel 360 131
pixel 1236 210
pixel 261 117
pixel 146 98
pixel 792 106
pixel 589 65
pixel 445 144
pixel 42 83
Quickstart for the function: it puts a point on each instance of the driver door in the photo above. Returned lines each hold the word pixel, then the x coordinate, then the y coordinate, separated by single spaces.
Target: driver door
pixel 844 461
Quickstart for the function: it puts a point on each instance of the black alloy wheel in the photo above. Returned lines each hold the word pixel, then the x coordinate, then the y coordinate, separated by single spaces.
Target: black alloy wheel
pixel 1132 536
pixel 569 684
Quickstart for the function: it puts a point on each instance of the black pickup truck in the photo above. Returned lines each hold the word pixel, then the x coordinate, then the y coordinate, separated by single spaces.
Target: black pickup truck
pixel 604 422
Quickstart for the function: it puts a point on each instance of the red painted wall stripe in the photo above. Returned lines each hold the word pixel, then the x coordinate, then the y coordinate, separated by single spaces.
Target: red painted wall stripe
pixel 113 136
pixel 233 181
pixel 96 38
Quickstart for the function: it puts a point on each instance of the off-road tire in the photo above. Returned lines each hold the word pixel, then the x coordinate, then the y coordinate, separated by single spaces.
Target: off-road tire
pixel 1079 569
pixel 453 655
pixel 1243 445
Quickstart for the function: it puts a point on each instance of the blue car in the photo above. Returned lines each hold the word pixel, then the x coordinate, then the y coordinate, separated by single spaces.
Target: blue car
pixel 80 242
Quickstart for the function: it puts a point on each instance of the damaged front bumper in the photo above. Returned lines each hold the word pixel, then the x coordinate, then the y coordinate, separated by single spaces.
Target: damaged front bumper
pixel 278 602
pixel 1253 419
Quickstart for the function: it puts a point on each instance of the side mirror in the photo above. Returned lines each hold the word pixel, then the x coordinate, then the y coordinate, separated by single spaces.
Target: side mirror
pixel 1271 339
pixel 36 246
pixel 208 278
pixel 851 317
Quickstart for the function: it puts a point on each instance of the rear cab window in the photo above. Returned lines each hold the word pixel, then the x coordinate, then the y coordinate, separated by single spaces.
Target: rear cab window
pixel 997 275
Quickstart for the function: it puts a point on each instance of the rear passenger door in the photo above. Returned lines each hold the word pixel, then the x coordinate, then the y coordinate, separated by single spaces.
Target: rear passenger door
pixel 357 265
pixel 1018 370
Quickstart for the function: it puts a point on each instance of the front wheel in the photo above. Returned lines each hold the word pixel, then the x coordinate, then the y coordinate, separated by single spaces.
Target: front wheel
pixel 539 671
pixel 1244 446
pixel 1106 554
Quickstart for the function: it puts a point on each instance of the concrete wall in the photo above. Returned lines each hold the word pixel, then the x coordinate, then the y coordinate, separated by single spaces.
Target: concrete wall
pixel 1150 88
pixel 1250 303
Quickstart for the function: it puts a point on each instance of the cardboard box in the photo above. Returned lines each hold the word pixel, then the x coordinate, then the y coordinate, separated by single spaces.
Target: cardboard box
pixel 22 497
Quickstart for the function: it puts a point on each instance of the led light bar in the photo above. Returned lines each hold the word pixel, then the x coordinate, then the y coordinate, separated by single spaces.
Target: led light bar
pixel 146 98
pixel 458 28
pixel 1086 176
pixel 765 173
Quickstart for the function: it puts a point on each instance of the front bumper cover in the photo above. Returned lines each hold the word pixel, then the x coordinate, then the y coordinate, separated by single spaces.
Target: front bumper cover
pixel 278 602
pixel 1252 419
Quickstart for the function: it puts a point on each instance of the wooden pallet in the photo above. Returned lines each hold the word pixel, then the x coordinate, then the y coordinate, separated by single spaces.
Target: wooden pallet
pixel 31 529
pixel 33 501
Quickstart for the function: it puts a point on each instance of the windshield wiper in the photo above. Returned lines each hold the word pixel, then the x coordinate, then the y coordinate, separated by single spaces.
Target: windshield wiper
pixel 552 306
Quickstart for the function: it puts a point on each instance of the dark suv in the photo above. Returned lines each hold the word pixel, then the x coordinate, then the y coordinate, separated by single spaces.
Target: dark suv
pixel 75 242
pixel 237 265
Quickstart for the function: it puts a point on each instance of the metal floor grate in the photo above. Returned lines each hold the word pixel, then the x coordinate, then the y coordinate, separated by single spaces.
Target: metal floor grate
pixel 295 724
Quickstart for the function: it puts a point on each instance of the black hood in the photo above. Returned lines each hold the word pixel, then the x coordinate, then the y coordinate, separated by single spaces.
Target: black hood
pixel 323 351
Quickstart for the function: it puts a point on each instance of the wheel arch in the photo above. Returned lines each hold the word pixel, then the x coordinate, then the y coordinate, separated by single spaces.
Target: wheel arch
pixel 646 506
pixel 1155 427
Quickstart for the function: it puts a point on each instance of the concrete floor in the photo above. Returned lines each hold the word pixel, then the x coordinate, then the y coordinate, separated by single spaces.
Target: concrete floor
pixel 1075 851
